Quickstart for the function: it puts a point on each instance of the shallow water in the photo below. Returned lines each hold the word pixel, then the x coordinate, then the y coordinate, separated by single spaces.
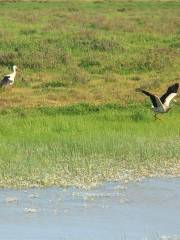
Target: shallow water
pixel 148 209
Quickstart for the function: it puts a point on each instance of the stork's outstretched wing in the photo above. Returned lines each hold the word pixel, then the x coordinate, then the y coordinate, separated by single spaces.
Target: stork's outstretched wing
pixel 152 96
pixel 170 94
pixel 154 99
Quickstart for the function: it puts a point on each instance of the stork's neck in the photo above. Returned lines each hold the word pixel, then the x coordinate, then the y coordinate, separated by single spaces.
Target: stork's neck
pixel 13 75
pixel 14 69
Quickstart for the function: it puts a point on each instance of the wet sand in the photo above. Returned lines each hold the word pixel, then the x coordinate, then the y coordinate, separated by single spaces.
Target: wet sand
pixel 149 209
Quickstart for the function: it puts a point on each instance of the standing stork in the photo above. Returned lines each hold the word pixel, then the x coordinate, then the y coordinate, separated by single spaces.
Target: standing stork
pixel 8 80
pixel 161 104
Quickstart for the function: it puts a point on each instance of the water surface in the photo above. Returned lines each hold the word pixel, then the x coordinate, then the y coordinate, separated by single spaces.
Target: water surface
pixel 149 209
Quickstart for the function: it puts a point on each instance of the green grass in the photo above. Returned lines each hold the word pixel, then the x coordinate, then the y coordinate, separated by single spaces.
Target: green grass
pixel 85 144
pixel 74 51
pixel 72 116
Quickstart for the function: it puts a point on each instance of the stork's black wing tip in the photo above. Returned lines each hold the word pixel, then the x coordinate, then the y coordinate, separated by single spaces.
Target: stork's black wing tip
pixel 175 87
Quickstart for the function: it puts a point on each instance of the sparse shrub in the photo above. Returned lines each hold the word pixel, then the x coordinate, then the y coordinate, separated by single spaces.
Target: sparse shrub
pixel 20 112
pixel 156 59
pixel 135 78
pixel 112 106
pixel 156 83
pixel 73 9
pixel 80 108
pixel 22 82
pixel 53 84
pixel 28 31
pixel 100 22
pixel 121 9
pixel 149 60
pixel 152 84
pixel 104 44
pixel 76 109
pixel 92 42
pixel 31 18
pixel 75 75
pixel 175 44
pixel 8 58
pixel 33 63
pixel 86 63
pixel 2 33
pixel 111 77
pixel 91 64
pixel 115 24
pixel 137 116
pixel 49 57
pixel 98 2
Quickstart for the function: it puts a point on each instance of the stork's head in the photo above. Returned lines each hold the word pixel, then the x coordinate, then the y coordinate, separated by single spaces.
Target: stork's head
pixel 15 68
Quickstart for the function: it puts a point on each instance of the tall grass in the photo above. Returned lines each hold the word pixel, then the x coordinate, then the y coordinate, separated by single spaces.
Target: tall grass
pixel 85 144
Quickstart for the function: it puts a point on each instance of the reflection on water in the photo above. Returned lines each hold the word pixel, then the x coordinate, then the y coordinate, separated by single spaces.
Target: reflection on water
pixel 148 209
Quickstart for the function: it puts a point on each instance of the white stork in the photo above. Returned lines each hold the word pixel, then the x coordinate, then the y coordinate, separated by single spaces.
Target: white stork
pixel 8 80
pixel 161 104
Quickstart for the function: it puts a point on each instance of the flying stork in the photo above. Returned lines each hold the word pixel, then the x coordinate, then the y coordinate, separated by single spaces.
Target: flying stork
pixel 161 104
pixel 8 80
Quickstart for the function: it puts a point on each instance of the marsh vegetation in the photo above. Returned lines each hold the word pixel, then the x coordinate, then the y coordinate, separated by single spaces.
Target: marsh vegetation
pixel 94 54
pixel 84 144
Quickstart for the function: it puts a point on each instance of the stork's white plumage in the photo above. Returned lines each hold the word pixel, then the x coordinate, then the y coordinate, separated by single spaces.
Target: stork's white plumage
pixel 9 79
pixel 161 104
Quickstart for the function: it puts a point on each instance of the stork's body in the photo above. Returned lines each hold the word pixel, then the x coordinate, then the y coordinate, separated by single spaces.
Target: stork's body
pixel 161 104
pixel 8 80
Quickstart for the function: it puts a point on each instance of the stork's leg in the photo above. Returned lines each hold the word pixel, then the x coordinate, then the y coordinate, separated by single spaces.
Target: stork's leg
pixel 8 88
pixel 155 116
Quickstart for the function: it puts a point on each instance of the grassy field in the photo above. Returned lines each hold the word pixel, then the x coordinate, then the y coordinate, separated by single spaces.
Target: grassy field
pixel 92 54
pixel 85 144
pixel 88 51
